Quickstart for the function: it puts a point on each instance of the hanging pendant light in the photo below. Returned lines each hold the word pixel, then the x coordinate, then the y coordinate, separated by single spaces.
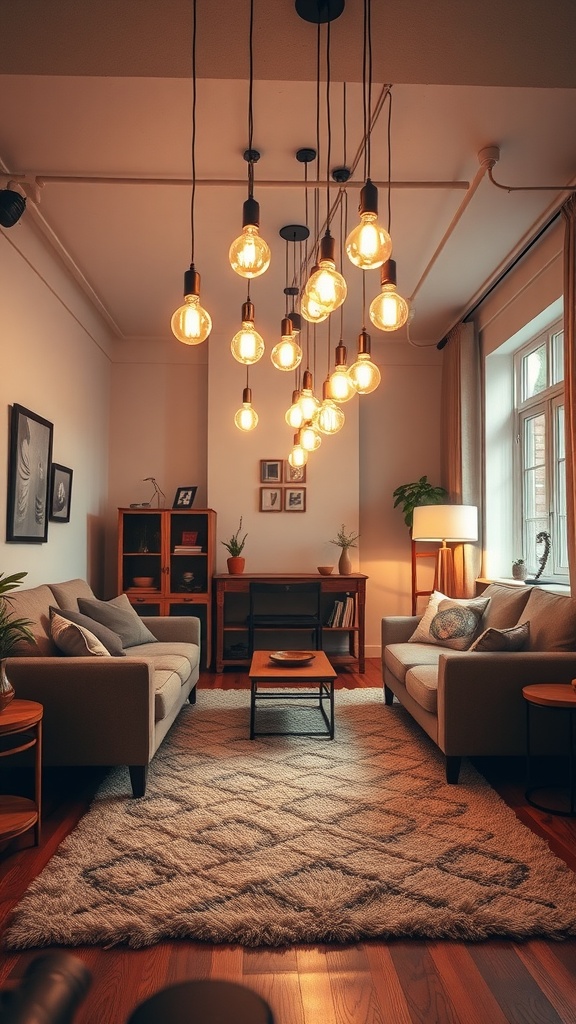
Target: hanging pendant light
pixel 309 437
pixel 326 287
pixel 308 403
pixel 368 245
pixel 389 311
pixel 287 354
pixel 246 418
pixel 191 323
pixel 247 345
pixel 293 416
pixel 298 456
pixel 329 419
pixel 364 374
pixel 341 387
pixel 249 254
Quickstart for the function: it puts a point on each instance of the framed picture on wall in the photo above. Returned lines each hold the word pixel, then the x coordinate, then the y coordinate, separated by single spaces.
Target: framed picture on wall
pixel 60 493
pixel 294 474
pixel 294 499
pixel 184 497
pixel 270 499
pixel 28 476
pixel 271 471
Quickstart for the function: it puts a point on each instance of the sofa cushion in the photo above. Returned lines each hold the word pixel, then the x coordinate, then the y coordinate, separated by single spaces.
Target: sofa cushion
pixel 67 593
pixel 75 640
pixel 454 631
pixel 34 604
pixel 180 658
pixel 167 694
pixel 514 639
pixel 119 615
pixel 507 603
pixel 111 640
pixel 552 621
pixel 422 685
pixel 399 658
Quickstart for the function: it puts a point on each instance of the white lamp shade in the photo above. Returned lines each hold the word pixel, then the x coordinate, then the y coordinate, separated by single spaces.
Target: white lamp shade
pixel 445 522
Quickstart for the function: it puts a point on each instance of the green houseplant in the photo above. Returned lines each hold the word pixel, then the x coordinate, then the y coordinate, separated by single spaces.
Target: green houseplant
pixel 345 541
pixel 12 632
pixel 420 492
pixel 235 547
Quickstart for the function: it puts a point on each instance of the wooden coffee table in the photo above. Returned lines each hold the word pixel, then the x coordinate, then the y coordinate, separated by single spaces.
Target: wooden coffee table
pixel 313 681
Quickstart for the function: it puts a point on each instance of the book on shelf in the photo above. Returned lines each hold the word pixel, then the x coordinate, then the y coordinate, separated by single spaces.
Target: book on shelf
pixel 189 538
pixel 188 549
pixel 342 614
pixel 335 617
pixel 348 615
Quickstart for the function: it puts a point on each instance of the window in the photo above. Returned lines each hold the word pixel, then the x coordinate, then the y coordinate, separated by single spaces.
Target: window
pixel 540 505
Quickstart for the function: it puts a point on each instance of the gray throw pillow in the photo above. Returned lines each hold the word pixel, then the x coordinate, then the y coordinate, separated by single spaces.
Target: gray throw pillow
pixel 119 615
pixel 513 639
pixel 112 642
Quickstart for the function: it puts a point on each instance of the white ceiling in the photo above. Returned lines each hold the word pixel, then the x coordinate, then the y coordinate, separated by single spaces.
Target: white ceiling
pixel 102 88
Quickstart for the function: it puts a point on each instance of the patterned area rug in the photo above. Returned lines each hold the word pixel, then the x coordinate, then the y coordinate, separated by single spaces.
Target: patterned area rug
pixel 289 839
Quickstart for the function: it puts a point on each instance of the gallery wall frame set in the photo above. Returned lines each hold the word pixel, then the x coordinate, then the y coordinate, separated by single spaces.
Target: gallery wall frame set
pixel 282 499
pixel 60 493
pixel 277 471
pixel 39 490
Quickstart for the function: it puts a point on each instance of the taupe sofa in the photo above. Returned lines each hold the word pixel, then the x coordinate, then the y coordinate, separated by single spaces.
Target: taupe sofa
pixel 471 703
pixel 104 710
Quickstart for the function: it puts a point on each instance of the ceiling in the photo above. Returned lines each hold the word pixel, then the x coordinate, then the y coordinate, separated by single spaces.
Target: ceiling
pixel 102 89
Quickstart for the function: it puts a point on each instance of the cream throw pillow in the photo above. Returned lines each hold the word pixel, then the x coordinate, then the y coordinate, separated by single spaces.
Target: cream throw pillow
pixel 75 640
pixel 450 622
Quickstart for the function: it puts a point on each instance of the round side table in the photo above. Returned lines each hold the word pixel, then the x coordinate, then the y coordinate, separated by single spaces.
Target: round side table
pixel 23 719
pixel 558 698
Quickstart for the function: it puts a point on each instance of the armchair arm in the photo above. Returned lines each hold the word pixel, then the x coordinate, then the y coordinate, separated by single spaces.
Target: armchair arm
pixel 480 705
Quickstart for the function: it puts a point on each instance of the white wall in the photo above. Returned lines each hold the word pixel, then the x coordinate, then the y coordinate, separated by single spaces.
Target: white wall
pixel 55 361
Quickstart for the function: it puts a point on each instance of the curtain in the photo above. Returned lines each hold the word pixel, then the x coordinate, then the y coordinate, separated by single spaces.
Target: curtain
pixel 569 214
pixel 461 443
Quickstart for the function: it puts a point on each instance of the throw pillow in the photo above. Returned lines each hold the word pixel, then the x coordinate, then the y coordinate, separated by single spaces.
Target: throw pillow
pixel 456 623
pixel 507 603
pixel 75 640
pixel 552 621
pixel 423 635
pixel 513 639
pixel 119 615
pixel 111 641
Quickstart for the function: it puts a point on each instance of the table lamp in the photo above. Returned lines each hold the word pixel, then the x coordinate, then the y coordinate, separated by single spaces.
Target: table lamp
pixel 445 523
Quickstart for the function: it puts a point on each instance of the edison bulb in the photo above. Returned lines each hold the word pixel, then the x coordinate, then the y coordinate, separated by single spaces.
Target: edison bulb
pixel 249 254
pixel 364 374
pixel 311 310
pixel 389 311
pixel 247 345
pixel 308 403
pixel 326 289
pixel 246 418
pixel 368 245
pixel 342 388
pixel 298 455
pixel 191 323
pixel 329 418
pixel 294 416
pixel 309 437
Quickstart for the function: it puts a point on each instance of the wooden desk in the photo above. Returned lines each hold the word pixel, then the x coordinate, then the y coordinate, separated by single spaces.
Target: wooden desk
pixel 232 593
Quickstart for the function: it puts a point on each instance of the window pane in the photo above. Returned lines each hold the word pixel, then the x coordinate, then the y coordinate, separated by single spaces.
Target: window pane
pixel 534 551
pixel 535 494
pixel 534 441
pixel 534 373
pixel 557 357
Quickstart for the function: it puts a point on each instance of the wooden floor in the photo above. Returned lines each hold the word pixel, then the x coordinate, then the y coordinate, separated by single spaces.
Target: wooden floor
pixel 397 982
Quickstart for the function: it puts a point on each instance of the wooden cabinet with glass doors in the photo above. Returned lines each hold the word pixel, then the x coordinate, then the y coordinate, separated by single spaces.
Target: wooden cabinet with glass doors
pixel 166 561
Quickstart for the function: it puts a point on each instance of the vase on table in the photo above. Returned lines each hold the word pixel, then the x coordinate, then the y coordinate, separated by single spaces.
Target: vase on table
pixel 6 688
pixel 344 563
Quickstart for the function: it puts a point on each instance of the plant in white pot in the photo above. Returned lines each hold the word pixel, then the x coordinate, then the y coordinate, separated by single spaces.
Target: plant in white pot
pixel 235 546
pixel 12 632
pixel 519 569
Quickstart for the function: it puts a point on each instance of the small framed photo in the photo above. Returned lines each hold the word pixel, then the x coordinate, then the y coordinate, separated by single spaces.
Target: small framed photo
pixel 270 499
pixel 28 476
pixel 295 474
pixel 184 497
pixel 294 499
pixel 60 493
pixel 271 471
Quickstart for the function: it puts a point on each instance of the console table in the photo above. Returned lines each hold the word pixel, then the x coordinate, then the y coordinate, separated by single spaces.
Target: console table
pixel 232 596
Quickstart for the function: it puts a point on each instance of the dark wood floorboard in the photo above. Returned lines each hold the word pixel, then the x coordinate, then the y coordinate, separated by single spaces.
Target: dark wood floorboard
pixel 396 982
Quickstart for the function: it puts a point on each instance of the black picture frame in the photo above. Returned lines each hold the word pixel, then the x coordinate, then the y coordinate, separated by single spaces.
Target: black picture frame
pixel 184 497
pixel 60 493
pixel 29 464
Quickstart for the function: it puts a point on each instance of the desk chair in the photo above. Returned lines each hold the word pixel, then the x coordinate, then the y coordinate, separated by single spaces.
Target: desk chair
pixel 285 606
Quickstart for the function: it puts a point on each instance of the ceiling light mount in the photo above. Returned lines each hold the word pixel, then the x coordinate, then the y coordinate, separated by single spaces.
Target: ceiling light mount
pixel 251 156
pixel 12 206
pixel 341 174
pixel 319 12
pixel 294 233
pixel 305 155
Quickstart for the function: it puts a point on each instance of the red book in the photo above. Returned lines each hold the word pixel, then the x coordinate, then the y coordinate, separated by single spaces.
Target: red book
pixel 189 537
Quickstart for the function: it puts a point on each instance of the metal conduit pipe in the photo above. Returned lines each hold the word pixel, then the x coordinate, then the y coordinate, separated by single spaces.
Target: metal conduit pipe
pixel 38 181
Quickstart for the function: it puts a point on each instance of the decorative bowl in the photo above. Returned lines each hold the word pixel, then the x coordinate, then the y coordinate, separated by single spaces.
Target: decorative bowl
pixel 325 570
pixel 292 658
pixel 143 581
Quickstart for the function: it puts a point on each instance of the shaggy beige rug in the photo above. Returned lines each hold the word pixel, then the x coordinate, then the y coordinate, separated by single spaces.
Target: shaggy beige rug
pixel 289 839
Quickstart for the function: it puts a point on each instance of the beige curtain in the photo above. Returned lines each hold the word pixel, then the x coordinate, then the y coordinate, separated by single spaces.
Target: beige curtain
pixel 569 213
pixel 461 443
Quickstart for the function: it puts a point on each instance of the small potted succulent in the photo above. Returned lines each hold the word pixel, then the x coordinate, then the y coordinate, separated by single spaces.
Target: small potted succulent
pixel 12 632
pixel 345 541
pixel 235 546
pixel 519 569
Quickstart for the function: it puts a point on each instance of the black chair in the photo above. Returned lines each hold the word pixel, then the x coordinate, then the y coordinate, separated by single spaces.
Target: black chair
pixel 285 606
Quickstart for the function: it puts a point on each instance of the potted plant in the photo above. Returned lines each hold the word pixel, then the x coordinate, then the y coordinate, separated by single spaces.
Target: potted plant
pixel 420 492
pixel 235 546
pixel 12 632
pixel 345 541
pixel 519 569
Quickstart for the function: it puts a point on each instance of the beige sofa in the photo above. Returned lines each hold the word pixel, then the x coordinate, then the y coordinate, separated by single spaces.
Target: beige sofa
pixel 471 703
pixel 104 709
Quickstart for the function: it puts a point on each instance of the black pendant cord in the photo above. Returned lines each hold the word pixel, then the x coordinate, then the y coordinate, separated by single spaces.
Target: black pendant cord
pixel 363 300
pixel 328 128
pixel 389 136
pixel 364 93
pixel 343 234
pixel 251 102
pixel 193 197
pixel 318 162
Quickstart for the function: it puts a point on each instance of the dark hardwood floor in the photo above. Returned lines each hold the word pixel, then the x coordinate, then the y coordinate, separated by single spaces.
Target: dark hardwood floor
pixel 397 982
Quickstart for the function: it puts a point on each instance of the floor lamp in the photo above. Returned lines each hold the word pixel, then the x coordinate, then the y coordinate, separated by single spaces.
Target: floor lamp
pixel 445 523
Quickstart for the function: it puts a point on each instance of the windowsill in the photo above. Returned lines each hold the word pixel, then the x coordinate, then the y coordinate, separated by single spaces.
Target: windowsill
pixel 553 588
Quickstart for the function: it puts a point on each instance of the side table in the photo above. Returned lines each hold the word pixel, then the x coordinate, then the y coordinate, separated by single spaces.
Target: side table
pixel 558 698
pixel 22 718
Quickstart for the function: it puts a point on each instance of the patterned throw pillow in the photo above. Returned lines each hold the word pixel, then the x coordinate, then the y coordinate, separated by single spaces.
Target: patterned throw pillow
pixel 450 622
pixel 513 639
